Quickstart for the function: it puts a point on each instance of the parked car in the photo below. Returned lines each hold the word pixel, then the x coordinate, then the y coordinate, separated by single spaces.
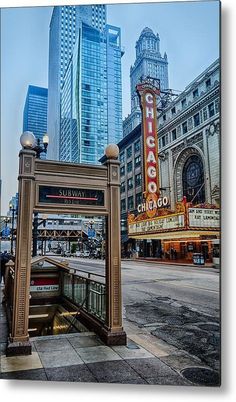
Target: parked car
pixel 86 254
pixel 78 254
pixel 66 253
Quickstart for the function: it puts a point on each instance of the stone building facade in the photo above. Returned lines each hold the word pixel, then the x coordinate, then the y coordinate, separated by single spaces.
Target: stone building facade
pixel 148 63
pixel 189 141
pixel 189 149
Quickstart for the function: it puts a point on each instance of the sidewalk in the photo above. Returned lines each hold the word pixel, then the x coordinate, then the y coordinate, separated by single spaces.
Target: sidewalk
pixel 84 358
pixel 170 262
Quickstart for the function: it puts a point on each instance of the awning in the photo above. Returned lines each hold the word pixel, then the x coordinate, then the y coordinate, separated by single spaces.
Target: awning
pixel 178 235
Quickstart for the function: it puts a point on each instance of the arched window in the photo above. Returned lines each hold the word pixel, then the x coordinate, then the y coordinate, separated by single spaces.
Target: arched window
pixel 193 180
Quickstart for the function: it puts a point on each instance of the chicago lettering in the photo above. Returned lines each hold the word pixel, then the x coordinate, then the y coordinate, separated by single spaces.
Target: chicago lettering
pixel 150 205
pixel 151 162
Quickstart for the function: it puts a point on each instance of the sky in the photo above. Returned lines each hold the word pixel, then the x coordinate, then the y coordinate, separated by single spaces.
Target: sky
pixel 189 34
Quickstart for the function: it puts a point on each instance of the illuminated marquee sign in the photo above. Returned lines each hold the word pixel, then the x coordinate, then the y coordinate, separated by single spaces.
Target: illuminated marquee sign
pixel 152 205
pixel 204 218
pixel 158 224
pixel 72 196
pixel 147 95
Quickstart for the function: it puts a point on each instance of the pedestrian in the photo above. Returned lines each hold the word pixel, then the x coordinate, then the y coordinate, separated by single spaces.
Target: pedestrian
pixel 4 259
pixel 175 254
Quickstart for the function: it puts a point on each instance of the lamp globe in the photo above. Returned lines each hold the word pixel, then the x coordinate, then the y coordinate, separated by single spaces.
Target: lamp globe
pixel 112 151
pixel 27 140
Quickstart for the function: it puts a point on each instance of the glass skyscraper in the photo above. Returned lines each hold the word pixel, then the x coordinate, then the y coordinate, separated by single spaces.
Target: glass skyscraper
pixel 148 62
pixel 91 109
pixel 35 111
pixel 64 27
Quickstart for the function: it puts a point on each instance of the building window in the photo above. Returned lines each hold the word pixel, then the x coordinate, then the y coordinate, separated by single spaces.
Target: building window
pixel 183 103
pixel 138 199
pixel 196 119
pixel 204 113
pixel 130 203
pixel 174 135
pixel 129 152
pixel 208 83
pixel 122 187
pixel 217 105
pixel 122 157
pixel 211 109
pixel 138 180
pixel 129 167
pixel 195 93
pixel 163 141
pixel 173 110
pixel 122 170
pixel 130 183
pixel 137 146
pixel 164 117
pixel 123 205
pixel 137 161
pixel 184 127
pixel 193 180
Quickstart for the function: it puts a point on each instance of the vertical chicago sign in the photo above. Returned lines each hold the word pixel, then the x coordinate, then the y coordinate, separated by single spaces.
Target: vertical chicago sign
pixel 147 93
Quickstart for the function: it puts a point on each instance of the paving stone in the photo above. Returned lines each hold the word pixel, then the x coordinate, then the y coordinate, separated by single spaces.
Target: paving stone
pixel 85 341
pixel 76 373
pixel 115 372
pixel 97 354
pixel 168 380
pixel 38 374
pixel 61 358
pixel 151 368
pixel 125 353
pixel 47 345
pixel 151 346
pixel 20 363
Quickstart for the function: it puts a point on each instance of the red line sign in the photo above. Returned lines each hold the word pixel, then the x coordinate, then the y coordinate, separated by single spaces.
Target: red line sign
pixel 72 198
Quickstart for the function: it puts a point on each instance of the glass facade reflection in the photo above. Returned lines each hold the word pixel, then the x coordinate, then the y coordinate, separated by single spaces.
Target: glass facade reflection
pixel 64 27
pixel 35 111
pixel 91 109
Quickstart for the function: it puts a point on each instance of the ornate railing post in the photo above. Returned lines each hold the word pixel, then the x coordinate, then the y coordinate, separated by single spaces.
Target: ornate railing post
pixel 115 334
pixel 19 338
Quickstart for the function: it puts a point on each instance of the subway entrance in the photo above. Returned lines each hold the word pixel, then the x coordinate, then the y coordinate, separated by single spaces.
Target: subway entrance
pixel 51 187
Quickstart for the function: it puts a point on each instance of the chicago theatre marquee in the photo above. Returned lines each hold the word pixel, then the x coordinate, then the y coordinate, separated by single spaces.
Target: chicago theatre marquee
pixel 170 198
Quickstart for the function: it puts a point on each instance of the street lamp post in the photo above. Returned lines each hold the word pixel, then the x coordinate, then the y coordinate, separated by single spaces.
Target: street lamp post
pixel 13 210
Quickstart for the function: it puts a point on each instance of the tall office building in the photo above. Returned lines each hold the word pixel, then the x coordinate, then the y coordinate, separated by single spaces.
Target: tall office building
pixel 91 108
pixel 149 62
pixel 35 111
pixel 64 28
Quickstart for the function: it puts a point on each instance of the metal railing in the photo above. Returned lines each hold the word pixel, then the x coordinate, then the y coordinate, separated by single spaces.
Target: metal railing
pixel 78 288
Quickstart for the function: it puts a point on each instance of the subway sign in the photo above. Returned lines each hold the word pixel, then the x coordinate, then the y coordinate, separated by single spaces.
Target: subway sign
pixel 70 196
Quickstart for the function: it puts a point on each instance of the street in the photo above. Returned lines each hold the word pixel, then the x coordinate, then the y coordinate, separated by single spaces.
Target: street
pixel 177 305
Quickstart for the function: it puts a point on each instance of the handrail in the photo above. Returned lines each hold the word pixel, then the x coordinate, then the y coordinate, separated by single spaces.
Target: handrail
pixel 88 273
pixel 88 294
